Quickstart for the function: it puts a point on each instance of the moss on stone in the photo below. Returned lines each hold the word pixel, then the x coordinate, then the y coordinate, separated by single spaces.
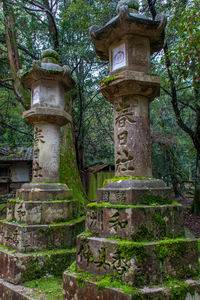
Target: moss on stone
pixel 45 288
pixel 50 60
pixel 143 234
pixel 96 205
pixel 159 222
pixel 121 178
pixel 46 262
pixel 2 247
pixel 156 200
pixel 174 248
pixel 179 289
pixel 69 173
pixel 50 53
pixel 109 79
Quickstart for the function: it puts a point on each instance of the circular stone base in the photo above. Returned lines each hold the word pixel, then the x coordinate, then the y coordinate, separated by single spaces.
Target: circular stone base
pixel 44 191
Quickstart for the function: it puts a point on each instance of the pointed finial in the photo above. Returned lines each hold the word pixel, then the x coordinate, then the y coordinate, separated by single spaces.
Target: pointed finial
pixel 133 5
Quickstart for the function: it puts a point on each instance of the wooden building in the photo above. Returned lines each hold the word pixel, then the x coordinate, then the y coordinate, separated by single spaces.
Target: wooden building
pixel 15 168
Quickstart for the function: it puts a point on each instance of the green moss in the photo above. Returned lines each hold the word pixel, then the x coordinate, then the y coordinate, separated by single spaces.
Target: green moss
pixel 160 223
pixel 74 221
pixel 3 208
pixel 48 287
pixel 129 249
pixel 109 79
pixel 50 53
pixel 174 248
pixel 120 178
pixel 69 172
pixel 50 60
pixel 48 262
pixel 143 234
pixel 156 200
pixel 179 289
pixel 2 247
pixel 82 276
pixel 96 205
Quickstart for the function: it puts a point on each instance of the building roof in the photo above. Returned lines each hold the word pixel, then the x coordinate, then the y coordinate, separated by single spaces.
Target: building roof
pixel 18 154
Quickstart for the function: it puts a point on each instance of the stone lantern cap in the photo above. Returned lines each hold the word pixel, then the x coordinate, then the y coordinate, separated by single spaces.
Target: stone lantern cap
pixel 128 23
pixel 48 69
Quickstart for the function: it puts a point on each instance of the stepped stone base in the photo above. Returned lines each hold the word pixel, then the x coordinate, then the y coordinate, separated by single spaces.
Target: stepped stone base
pixel 74 288
pixel 44 191
pixel 19 267
pixel 26 238
pixel 9 291
pixel 138 263
pixel 133 191
pixel 42 212
pixel 135 222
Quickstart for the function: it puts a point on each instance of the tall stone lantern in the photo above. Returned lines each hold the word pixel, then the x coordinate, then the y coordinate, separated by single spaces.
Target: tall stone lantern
pixel 134 227
pixel 127 42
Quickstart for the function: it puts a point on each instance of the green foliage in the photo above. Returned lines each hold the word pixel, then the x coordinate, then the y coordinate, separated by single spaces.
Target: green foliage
pixel 48 287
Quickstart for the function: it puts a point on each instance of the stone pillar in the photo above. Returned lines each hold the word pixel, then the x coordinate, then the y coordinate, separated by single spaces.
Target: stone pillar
pixel 48 82
pixel 134 230
pixel 46 157
pixel 132 136
pixel 43 221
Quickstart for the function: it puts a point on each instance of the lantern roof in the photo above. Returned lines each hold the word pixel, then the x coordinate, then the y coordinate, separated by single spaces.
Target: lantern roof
pixel 49 69
pixel 127 23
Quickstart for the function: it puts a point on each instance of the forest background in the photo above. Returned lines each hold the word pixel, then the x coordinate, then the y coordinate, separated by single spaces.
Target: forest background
pixel 28 27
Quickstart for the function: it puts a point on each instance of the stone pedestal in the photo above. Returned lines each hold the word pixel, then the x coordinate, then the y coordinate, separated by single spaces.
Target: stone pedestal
pixel 134 246
pixel 39 234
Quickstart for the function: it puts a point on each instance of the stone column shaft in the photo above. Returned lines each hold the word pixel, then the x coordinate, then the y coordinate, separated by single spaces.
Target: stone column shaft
pixel 132 136
pixel 46 158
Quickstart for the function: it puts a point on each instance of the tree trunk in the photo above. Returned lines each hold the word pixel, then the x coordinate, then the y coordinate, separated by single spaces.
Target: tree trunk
pixel 23 95
pixel 196 202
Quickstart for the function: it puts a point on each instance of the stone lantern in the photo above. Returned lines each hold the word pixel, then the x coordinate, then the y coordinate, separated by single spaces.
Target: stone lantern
pixel 132 229
pixel 48 83
pixel 42 222
pixel 127 42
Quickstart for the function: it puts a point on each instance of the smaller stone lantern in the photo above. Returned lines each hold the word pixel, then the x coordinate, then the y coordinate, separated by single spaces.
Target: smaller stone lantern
pixel 43 221
pixel 48 83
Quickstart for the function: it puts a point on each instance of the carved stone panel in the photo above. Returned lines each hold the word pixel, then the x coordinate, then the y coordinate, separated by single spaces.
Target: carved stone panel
pixel 132 136
pixel 46 153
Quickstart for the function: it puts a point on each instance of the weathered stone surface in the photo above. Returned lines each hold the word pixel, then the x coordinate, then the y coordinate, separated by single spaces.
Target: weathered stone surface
pixel 39 114
pixel 124 194
pixel 9 291
pixel 130 24
pixel 136 223
pixel 42 212
pixel 26 238
pixel 130 83
pixel 19 267
pixel 131 119
pixel 44 191
pixel 48 82
pixel 138 264
pixel 89 290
